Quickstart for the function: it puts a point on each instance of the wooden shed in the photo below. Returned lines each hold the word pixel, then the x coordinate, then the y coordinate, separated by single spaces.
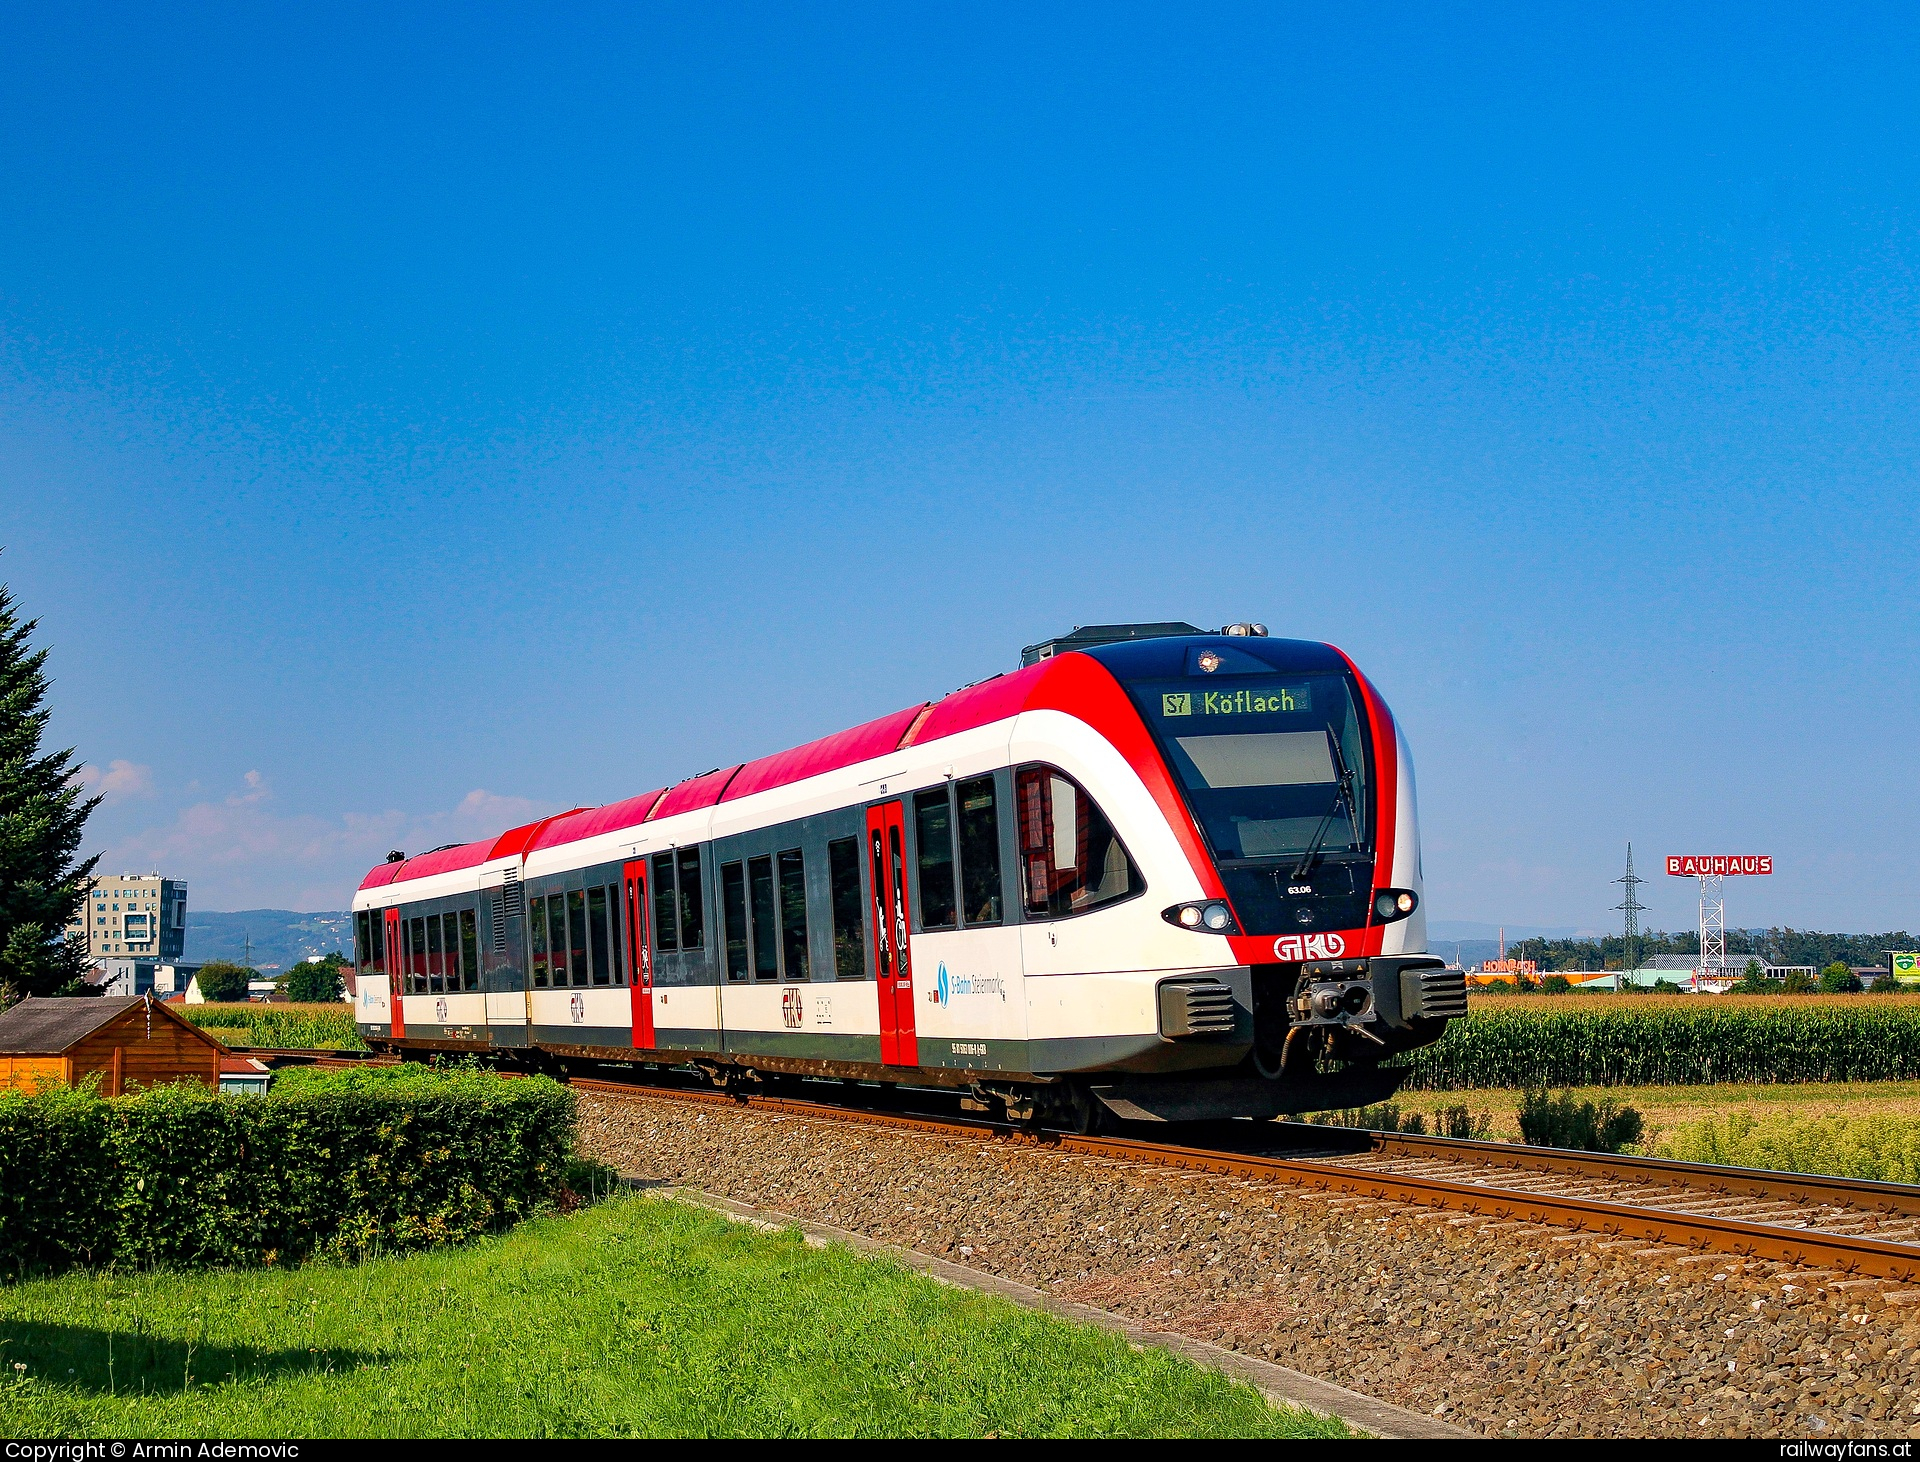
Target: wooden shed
pixel 129 1039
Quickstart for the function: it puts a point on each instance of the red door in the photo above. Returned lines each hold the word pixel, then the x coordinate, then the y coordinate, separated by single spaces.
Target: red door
pixel 640 955
pixel 396 979
pixel 887 851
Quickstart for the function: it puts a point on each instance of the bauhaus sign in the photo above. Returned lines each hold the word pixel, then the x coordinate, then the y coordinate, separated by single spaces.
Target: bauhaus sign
pixel 1730 864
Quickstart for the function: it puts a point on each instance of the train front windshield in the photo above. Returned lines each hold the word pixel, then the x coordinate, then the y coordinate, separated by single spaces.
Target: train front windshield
pixel 1273 765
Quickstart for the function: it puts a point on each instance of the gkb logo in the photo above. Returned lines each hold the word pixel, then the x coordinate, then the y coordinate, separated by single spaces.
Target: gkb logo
pixel 941 987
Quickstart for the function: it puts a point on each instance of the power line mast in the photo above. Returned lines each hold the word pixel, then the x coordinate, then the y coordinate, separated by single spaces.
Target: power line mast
pixel 1633 909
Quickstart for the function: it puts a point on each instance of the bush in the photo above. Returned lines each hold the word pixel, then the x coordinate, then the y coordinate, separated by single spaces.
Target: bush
pixel 1558 1122
pixel 1797 982
pixel 1691 1042
pixel 333 1163
pixel 1555 985
pixel 1387 1117
pixel 221 981
pixel 1837 979
pixel 1882 1148
pixel 316 981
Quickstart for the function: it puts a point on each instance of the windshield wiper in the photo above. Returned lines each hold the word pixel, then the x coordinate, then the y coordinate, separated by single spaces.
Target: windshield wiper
pixel 1343 796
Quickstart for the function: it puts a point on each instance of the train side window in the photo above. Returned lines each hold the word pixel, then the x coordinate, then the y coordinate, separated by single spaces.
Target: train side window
pixel 615 907
pixel 436 958
pixel 733 914
pixel 469 950
pixel 849 931
pixel 793 916
pixel 766 924
pixel 537 940
pixel 1071 860
pixel 577 934
pixel 377 925
pixel 557 938
pixel 666 929
pixel 417 965
pixel 692 922
pixel 980 894
pixel 362 941
pixel 933 830
pixel 597 924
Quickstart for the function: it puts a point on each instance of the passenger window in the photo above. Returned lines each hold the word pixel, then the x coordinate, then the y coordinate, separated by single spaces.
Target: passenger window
pixel 1071 860
pixel 577 934
pixel 436 960
pixel 469 950
pixel 537 940
pixel 980 894
pixel 665 926
pixel 597 925
pixel 614 906
pixel 417 966
pixel 933 828
pixel 793 915
pixel 733 913
pixel 849 934
pixel 692 924
pixel 377 924
pixel 766 928
pixel 362 941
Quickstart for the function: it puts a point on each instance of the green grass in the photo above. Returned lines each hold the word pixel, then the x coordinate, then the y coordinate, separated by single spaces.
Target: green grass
pixel 287 1027
pixel 1881 1147
pixel 636 1317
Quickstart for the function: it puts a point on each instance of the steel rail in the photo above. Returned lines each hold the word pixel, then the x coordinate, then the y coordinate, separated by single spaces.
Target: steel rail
pixel 1858 1193
pixel 1856 1255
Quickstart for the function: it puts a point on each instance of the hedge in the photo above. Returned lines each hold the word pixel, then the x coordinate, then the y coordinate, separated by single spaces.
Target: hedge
pixel 1679 1041
pixel 337 1164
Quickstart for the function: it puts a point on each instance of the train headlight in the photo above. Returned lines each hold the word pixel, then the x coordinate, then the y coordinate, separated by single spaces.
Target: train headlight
pixel 1208 916
pixel 1395 903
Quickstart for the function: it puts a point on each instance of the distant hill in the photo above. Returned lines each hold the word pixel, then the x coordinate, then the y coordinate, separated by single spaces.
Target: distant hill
pixel 268 939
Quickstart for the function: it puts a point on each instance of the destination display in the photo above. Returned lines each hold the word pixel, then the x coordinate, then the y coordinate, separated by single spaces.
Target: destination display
pixel 1285 699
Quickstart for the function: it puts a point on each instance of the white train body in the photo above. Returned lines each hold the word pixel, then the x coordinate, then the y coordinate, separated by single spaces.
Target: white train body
pixel 1181 901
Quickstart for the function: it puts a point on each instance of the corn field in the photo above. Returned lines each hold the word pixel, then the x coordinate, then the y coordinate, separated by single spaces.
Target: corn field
pixel 1675 1041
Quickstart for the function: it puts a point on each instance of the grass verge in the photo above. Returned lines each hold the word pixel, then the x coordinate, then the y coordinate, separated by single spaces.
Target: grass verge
pixel 636 1317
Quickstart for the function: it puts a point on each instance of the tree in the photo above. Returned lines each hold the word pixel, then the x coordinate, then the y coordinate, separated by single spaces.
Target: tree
pixel 1754 981
pixel 316 980
pixel 42 815
pixel 223 981
pixel 1837 979
pixel 1555 985
pixel 1797 982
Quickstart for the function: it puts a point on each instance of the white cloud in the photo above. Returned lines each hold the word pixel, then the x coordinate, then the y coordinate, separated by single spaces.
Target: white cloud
pixel 242 852
pixel 121 779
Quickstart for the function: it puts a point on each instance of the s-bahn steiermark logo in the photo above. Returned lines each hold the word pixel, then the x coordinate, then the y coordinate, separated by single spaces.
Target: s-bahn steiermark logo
pixel 942 987
pixel 1309 946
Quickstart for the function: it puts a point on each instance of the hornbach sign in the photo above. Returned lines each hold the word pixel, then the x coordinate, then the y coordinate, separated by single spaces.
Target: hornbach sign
pixel 1729 865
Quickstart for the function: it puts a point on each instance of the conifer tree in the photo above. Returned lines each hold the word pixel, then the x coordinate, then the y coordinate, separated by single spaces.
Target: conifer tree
pixel 42 815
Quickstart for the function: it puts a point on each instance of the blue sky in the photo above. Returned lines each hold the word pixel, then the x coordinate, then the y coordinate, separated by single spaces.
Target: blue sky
pixel 413 419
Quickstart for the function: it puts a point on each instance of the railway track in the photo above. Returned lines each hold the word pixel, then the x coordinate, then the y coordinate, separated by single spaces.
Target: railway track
pixel 1838 1233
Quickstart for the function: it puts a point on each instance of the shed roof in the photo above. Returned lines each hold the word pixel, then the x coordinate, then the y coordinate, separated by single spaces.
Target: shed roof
pixel 49 1025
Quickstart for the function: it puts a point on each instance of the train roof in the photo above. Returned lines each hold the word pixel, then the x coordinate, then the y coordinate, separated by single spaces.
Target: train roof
pixel 981 704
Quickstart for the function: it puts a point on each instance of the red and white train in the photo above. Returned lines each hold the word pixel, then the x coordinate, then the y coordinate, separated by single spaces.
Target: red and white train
pixel 1155 871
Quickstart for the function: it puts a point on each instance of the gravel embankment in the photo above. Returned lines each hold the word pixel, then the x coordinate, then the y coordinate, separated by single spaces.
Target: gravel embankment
pixel 1507 1329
